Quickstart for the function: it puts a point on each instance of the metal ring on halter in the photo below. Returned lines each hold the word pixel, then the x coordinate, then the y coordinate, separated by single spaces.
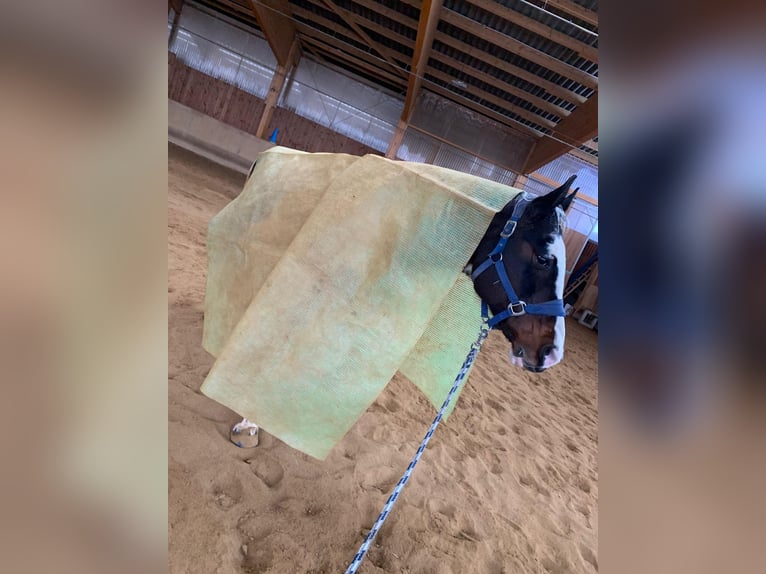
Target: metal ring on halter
pixel 516 309
pixel 509 228
pixel 496 257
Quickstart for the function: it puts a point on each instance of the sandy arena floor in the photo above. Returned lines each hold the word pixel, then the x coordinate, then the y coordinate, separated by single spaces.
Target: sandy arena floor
pixel 507 485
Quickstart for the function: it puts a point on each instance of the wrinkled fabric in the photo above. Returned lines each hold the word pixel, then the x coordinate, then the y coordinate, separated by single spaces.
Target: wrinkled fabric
pixel 331 272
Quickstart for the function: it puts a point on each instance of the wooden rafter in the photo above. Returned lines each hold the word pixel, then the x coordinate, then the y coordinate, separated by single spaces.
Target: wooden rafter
pixel 352 21
pixel 512 45
pixel 493 81
pixel 585 156
pixel 550 87
pixel 511 107
pixel 383 31
pixel 349 39
pixel 245 11
pixel 353 54
pixel 583 49
pixel 500 102
pixel 508 68
pixel 273 18
pixel 389 13
pixel 502 65
pixel 519 48
pixel 357 59
pixel 575 10
pixel 570 133
pixel 395 66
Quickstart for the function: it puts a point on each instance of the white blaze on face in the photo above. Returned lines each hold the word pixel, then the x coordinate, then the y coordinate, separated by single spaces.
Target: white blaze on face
pixel 558 250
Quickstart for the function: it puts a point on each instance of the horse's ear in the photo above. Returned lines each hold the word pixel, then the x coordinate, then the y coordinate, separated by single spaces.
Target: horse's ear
pixel 556 197
pixel 568 200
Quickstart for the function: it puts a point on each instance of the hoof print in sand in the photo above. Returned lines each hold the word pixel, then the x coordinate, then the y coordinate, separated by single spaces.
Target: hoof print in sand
pixel 227 494
pixel 267 469
pixel 257 560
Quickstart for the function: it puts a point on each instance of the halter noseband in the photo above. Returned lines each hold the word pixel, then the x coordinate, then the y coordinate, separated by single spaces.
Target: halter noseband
pixel 516 307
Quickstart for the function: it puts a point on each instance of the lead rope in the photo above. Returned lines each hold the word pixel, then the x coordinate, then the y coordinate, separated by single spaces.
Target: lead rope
pixel 475 348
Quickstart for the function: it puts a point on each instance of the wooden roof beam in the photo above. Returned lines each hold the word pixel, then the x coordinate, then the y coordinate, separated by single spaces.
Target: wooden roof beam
pixel 581 48
pixel 352 22
pixel 354 60
pixel 585 156
pixel 570 133
pixel 330 25
pixel 333 45
pixel 274 20
pixel 521 49
pixel 499 84
pixel 500 102
pixel 548 86
pixel 390 13
pixel 588 16
pixel 247 13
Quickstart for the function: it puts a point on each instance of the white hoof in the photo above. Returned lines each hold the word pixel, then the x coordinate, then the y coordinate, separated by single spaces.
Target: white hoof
pixel 244 434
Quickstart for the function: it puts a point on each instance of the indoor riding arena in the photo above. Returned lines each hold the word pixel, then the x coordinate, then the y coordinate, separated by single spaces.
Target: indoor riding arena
pixel 504 93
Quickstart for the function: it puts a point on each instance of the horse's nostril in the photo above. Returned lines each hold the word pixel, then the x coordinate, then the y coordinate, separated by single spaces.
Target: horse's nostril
pixel 545 351
pixel 518 352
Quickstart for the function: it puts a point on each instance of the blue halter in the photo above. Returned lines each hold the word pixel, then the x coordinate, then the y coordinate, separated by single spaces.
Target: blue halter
pixel 516 307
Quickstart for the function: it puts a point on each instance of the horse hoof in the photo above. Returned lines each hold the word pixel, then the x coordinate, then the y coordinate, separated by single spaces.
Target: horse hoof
pixel 244 435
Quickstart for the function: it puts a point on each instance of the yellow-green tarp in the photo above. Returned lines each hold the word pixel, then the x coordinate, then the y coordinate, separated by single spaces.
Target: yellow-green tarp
pixel 328 274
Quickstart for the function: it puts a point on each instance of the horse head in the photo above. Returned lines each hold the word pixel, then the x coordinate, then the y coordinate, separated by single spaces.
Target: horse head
pixel 518 271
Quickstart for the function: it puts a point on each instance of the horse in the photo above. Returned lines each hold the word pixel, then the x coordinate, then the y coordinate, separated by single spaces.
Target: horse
pixel 521 252
pixel 518 272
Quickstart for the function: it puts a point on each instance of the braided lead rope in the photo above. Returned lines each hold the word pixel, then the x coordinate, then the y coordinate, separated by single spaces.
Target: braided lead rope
pixel 362 552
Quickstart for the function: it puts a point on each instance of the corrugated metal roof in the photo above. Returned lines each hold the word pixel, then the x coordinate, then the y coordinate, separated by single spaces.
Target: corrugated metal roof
pixel 393 24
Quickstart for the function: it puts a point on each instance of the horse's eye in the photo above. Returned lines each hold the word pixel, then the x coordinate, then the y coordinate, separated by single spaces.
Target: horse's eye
pixel 544 260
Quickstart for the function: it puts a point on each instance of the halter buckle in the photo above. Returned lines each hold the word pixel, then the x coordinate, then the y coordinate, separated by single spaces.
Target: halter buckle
pixel 510 227
pixel 516 309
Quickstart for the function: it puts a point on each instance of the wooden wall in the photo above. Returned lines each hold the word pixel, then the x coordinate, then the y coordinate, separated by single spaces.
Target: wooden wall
pixel 573 243
pixel 590 248
pixel 300 133
pixel 242 110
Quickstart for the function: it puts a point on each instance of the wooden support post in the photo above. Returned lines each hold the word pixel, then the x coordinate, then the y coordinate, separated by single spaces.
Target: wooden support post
pixel 275 90
pixel 396 140
pixel 429 19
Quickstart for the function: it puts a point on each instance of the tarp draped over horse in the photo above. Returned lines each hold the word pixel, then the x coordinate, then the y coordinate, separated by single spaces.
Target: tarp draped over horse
pixel 329 273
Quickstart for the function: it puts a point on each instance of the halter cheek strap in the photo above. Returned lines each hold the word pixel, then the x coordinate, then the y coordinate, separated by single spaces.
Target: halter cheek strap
pixel 516 306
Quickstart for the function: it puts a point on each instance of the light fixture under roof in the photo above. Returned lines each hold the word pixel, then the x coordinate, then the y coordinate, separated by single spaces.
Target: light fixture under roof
pixel 459 84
